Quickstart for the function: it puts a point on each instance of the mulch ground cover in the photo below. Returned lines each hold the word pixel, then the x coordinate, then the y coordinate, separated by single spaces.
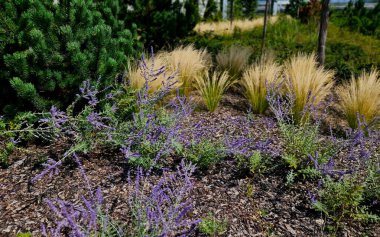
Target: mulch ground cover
pixel 260 205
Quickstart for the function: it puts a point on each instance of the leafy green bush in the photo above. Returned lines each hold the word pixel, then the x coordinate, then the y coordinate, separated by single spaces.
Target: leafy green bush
pixel 343 199
pixel 358 18
pixel 203 153
pixel 299 142
pixel 48 49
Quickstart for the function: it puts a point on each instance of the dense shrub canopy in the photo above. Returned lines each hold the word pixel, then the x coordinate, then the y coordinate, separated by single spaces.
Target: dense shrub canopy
pixel 162 22
pixel 47 49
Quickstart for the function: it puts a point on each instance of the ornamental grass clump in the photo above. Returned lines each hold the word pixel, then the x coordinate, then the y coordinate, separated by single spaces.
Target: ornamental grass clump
pixel 307 82
pixel 360 96
pixel 211 88
pixel 234 60
pixel 254 84
pixel 188 62
pixel 156 64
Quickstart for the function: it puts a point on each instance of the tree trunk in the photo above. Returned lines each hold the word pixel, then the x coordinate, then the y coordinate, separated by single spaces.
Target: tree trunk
pixel 267 4
pixel 231 12
pixel 323 32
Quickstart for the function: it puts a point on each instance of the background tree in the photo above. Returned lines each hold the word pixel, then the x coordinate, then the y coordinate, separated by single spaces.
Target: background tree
pixel 211 11
pixel 267 5
pixel 162 22
pixel 323 32
pixel 249 8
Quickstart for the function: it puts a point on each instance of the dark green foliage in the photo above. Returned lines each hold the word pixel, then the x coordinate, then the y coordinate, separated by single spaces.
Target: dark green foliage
pixel 372 185
pixel 294 7
pixel 242 9
pixel 5 152
pixel 48 49
pixel 249 8
pixel 162 22
pixel 358 18
pixel 306 11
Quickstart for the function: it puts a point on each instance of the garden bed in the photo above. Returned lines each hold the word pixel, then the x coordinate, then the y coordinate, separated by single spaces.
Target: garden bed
pixel 259 205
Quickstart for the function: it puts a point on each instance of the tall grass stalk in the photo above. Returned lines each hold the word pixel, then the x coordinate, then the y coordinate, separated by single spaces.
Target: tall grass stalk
pixel 188 62
pixel 234 60
pixel 360 96
pixel 211 88
pixel 254 83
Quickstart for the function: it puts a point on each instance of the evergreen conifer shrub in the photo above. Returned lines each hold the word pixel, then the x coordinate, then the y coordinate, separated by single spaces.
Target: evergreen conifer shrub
pixel 49 48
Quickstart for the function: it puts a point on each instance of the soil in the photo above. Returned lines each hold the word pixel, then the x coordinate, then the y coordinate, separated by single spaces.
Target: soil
pixel 251 205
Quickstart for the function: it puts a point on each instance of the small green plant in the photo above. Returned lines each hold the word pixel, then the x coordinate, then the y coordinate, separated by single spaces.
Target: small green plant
pixel 372 184
pixel 211 226
pixel 204 153
pixel 5 153
pixel 26 234
pixel 290 177
pixel 255 162
pixel 300 141
pixel 343 199
pixel 211 88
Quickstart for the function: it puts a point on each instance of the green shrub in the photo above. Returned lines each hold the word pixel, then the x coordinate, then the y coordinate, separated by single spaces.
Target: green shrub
pixel 49 48
pixel 358 18
pixel 211 226
pixel 203 153
pixel 343 199
pixel 255 163
pixel 302 141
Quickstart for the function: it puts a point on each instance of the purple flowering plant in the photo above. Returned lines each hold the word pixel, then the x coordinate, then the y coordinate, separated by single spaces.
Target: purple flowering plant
pixel 346 193
pixel 162 208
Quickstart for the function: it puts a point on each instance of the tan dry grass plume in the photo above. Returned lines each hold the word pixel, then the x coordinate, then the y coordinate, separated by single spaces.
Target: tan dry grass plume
pixel 188 62
pixel 360 96
pixel 308 82
pixel 254 83
pixel 137 80
pixel 234 60
pixel 225 27
pixel 211 88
